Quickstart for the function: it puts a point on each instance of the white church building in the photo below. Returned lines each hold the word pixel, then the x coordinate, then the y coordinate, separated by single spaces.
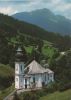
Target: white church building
pixel 33 75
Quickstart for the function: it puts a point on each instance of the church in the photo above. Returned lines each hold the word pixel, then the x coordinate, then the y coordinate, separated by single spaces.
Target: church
pixel 33 75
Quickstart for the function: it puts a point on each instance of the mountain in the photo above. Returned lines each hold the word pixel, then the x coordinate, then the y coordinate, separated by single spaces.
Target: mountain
pixel 11 27
pixel 47 20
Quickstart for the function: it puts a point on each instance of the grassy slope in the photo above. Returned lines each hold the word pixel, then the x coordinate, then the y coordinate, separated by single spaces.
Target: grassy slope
pixel 47 49
pixel 6 92
pixel 66 95
pixel 5 72
pixel 29 49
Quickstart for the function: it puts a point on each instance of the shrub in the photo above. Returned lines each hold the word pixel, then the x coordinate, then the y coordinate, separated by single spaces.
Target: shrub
pixel 16 97
pixel 41 92
pixel 51 87
pixel 64 87
pixel 30 96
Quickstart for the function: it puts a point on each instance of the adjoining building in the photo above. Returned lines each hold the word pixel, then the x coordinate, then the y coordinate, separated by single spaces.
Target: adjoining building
pixel 33 75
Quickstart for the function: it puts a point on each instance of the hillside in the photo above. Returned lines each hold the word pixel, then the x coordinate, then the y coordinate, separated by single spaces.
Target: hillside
pixel 14 32
pixel 47 20
pixel 34 41
pixel 66 95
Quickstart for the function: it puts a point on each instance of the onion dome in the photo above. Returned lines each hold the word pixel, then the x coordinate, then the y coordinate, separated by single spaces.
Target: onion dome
pixel 19 55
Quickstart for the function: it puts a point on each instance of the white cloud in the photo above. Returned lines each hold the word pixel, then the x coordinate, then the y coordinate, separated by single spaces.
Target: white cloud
pixel 7 10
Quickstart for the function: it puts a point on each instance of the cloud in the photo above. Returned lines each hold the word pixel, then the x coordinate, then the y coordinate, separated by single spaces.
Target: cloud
pixel 62 7
pixel 7 10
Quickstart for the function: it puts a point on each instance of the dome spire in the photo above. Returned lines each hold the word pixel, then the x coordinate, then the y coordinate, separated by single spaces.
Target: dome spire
pixel 19 49
pixel 19 54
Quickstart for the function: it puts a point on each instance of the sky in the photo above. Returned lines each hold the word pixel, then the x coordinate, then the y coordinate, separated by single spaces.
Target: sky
pixel 59 7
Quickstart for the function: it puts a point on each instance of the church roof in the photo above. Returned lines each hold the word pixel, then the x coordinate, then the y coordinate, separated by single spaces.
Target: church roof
pixel 35 68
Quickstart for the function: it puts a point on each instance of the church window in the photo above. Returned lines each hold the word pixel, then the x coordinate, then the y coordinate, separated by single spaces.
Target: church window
pixel 25 81
pixel 21 67
pixel 45 77
pixel 34 79
pixel 48 76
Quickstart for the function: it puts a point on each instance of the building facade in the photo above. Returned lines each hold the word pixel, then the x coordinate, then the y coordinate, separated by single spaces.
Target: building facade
pixel 31 76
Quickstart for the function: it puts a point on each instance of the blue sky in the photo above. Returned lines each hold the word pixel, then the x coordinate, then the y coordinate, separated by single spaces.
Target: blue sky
pixel 61 7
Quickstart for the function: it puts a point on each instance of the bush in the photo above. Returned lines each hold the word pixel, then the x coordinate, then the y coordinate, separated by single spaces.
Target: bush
pixel 64 87
pixel 36 94
pixel 30 96
pixel 51 87
pixel 41 92
pixel 16 97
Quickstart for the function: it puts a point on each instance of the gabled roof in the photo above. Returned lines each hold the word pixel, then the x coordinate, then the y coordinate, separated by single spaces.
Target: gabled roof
pixel 35 68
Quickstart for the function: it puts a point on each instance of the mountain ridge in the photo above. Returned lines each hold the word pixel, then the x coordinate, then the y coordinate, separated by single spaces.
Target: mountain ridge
pixel 47 20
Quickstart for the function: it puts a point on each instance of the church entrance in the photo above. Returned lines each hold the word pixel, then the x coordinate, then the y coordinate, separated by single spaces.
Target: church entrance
pixel 25 83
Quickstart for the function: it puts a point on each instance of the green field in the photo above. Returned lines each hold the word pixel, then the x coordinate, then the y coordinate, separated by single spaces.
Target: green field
pixel 47 49
pixel 29 49
pixel 66 95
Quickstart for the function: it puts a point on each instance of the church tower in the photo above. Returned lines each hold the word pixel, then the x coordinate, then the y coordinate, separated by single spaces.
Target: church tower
pixel 19 69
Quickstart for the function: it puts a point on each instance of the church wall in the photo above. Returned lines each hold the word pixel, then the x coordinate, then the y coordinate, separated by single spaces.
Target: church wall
pixel 38 80
pixel 20 82
pixel 16 82
pixel 16 68
pixel 19 71
pixel 19 67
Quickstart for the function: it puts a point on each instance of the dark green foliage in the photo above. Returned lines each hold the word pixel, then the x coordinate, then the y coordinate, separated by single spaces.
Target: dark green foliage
pixel 29 96
pixel 64 87
pixel 36 94
pixel 14 32
pixel 51 87
pixel 62 68
pixel 6 76
pixel 41 92
pixel 16 97
pixel 1 98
